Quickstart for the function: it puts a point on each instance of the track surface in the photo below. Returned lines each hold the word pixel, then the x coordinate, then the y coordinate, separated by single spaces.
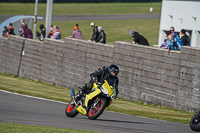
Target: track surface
pixel 92 17
pixel 25 110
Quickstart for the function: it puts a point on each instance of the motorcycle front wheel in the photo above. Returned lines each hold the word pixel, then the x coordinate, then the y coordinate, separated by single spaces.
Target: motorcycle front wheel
pixel 70 110
pixel 96 111
pixel 195 122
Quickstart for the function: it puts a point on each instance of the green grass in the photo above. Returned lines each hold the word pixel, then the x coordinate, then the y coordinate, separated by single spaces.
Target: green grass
pixel 80 8
pixel 40 89
pixel 116 30
pixel 22 128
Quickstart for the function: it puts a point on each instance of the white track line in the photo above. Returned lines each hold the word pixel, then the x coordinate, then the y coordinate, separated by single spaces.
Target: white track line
pixel 32 97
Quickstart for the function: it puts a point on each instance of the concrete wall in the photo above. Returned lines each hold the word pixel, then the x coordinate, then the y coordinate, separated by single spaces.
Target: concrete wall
pixel 146 73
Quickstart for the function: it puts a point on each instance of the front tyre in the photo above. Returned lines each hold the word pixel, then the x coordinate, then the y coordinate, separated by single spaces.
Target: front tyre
pixel 195 122
pixel 70 110
pixel 96 111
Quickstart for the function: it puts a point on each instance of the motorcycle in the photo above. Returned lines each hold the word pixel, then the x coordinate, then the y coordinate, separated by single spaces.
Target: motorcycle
pixel 93 103
pixel 195 122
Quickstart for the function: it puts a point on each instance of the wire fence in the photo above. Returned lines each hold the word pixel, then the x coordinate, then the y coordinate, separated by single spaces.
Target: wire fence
pixel 81 1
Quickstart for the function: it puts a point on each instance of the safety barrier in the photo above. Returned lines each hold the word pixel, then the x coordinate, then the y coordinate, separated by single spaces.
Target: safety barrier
pixel 147 74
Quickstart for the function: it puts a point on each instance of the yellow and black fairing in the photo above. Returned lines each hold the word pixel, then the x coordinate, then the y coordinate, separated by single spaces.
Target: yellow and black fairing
pixel 106 89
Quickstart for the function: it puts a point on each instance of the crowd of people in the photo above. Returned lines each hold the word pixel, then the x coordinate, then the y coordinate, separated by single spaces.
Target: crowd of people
pixel 8 30
pixel 24 31
pixel 171 42
pixel 98 36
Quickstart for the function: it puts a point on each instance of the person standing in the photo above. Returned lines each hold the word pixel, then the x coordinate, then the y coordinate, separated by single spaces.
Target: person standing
pixel 51 32
pixel 185 38
pixel 43 32
pixel 175 43
pixel 101 36
pixel 77 33
pixel 172 29
pixel 11 29
pixel 138 38
pixel 27 32
pixel 95 32
pixel 5 32
pixel 56 35
pixel 21 30
pixel 57 29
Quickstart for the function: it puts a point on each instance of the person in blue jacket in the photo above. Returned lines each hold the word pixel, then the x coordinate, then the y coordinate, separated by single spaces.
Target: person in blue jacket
pixel 175 43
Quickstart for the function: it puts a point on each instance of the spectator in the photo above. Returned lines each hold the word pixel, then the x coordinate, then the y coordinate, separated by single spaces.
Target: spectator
pixel 185 38
pixel 5 32
pixel 56 34
pixel 165 45
pixel 172 29
pixel 22 21
pixel 43 32
pixel 51 32
pixel 77 33
pixel 101 36
pixel 27 32
pixel 11 29
pixel 175 43
pixel 138 38
pixel 95 32
pixel 38 35
pixel 56 27
pixel 21 30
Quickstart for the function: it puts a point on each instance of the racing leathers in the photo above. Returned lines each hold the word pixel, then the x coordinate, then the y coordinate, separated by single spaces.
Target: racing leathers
pixel 99 76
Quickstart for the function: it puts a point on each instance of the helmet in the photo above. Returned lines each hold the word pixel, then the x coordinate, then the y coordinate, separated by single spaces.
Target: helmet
pixel 92 24
pixel 100 28
pixel 113 70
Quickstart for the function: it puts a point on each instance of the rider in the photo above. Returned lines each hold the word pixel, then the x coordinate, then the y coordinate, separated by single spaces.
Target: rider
pixel 100 75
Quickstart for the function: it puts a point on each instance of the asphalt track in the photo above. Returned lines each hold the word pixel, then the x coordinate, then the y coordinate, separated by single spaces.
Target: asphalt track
pixel 92 17
pixel 26 110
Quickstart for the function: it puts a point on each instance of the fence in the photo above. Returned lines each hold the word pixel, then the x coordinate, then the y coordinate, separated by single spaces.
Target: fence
pixel 146 73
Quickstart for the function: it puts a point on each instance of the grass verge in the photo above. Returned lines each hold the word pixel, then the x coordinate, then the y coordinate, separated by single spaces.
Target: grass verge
pixel 22 128
pixel 80 8
pixel 40 89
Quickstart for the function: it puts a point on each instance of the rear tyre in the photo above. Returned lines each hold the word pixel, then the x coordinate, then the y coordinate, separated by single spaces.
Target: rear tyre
pixel 70 110
pixel 94 113
pixel 195 122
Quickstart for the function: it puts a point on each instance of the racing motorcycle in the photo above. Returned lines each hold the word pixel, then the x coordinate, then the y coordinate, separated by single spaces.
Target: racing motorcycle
pixel 93 103
pixel 195 122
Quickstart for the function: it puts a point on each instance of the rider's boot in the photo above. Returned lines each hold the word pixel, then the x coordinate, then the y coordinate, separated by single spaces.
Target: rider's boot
pixel 80 93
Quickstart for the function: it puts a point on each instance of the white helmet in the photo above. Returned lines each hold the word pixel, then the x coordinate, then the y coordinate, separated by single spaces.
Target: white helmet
pixel 99 28
pixel 92 24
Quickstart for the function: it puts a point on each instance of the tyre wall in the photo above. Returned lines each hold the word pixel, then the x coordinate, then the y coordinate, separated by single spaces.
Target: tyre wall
pixel 147 74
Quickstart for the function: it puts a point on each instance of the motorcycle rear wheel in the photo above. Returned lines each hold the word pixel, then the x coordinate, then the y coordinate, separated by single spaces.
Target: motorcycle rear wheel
pixel 194 124
pixel 94 113
pixel 70 110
